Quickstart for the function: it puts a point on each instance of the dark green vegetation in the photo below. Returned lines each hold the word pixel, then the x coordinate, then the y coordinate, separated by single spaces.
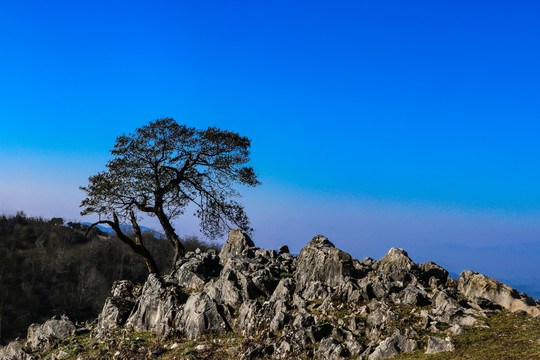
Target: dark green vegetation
pixel 50 268
pixel 162 168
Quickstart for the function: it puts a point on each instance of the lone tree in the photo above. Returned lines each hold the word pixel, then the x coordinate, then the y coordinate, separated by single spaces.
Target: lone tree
pixel 162 168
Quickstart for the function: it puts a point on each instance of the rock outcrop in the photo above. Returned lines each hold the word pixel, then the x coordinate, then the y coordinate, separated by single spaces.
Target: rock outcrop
pixel 477 286
pixel 321 304
pixel 320 261
pixel 237 242
pixel 40 336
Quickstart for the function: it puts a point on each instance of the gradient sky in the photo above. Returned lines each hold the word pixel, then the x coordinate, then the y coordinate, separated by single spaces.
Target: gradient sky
pixel 376 123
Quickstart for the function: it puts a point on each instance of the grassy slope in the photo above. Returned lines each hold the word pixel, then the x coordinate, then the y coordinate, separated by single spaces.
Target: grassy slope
pixel 510 336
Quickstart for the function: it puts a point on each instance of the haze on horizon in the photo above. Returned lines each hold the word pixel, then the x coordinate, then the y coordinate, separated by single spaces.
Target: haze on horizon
pixel 377 124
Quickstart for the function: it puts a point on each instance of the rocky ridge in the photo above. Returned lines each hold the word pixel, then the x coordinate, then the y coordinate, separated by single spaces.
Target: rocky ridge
pixel 320 304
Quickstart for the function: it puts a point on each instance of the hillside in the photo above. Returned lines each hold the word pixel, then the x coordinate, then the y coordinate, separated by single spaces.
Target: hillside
pixel 252 303
pixel 49 267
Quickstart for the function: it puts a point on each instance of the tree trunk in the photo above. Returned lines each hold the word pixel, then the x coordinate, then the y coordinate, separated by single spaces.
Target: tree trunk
pixel 138 248
pixel 179 251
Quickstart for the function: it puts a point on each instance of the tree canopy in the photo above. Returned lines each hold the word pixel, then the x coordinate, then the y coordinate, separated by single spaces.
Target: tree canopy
pixel 162 168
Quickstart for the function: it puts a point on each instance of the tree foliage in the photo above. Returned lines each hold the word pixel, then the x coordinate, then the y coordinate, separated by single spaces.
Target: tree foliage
pixel 162 168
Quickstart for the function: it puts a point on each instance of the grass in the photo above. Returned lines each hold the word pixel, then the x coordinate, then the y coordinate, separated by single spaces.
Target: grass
pixel 510 336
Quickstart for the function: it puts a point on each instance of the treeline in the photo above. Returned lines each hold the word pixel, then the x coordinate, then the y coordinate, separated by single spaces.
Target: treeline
pixel 51 268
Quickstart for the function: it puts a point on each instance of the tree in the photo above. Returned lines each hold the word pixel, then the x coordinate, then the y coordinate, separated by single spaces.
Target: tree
pixel 162 168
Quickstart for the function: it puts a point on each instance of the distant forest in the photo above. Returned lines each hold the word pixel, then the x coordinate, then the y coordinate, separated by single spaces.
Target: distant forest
pixel 48 267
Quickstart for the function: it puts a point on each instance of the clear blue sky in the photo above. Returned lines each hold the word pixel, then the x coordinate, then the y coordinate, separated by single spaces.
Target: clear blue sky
pixel 376 123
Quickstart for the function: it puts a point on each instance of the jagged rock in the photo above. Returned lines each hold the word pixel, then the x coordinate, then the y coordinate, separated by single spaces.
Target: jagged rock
pixel 431 270
pixel 381 315
pixel 303 320
pixel 237 242
pixel 392 346
pixel 448 310
pixel 279 321
pixel 475 285
pixel 257 352
pixel 158 307
pixel 246 322
pixel 194 270
pixel 283 250
pixel 397 265
pixel 350 291
pixel 40 336
pixel 12 351
pixel 436 345
pixel 201 315
pixel 377 286
pixel 284 290
pixel 330 348
pixel 235 284
pixel 315 290
pixel 456 329
pixel 321 261
pixel 411 295
pixel 117 307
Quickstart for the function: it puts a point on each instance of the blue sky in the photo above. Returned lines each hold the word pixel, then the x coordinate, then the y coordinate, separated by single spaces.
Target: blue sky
pixel 376 123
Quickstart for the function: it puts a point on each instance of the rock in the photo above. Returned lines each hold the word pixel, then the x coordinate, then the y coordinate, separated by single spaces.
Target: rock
pixel 283 250
pixel 431 270
pixel 237 242
pixel 436 345
pixel 117 307
pixel 279 321
pixel 246 321
pixel 474 285
pixel 303 320
pixel 393 346
pixel 411 295
pixel 448 310
pixel 40 336
pixel 195 270
pixel 158 307
pixel 201 316
pixel 396 264
pixel 321 261
pixel 315 290
pixel 377 286
pixel 330 348
pixel 284 290
pixel 12 351
pixel 456 329
pixel 61 355
pixel 234 286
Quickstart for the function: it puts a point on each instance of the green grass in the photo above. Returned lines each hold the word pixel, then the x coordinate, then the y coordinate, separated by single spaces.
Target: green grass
pixel 510 336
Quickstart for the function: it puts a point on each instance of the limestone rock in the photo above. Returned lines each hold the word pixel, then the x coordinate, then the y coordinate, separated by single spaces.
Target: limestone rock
pixel 39 336
pixel 201 316
pixel 436 345
pixel 158 307
pixel 475 285
pixel 330 348
pixel 321 261
pixel 393 346
pixel 396 264
pixel 431 270
pixel 117 307
pixel 194 270
pixel 237 242
pixel 12 351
